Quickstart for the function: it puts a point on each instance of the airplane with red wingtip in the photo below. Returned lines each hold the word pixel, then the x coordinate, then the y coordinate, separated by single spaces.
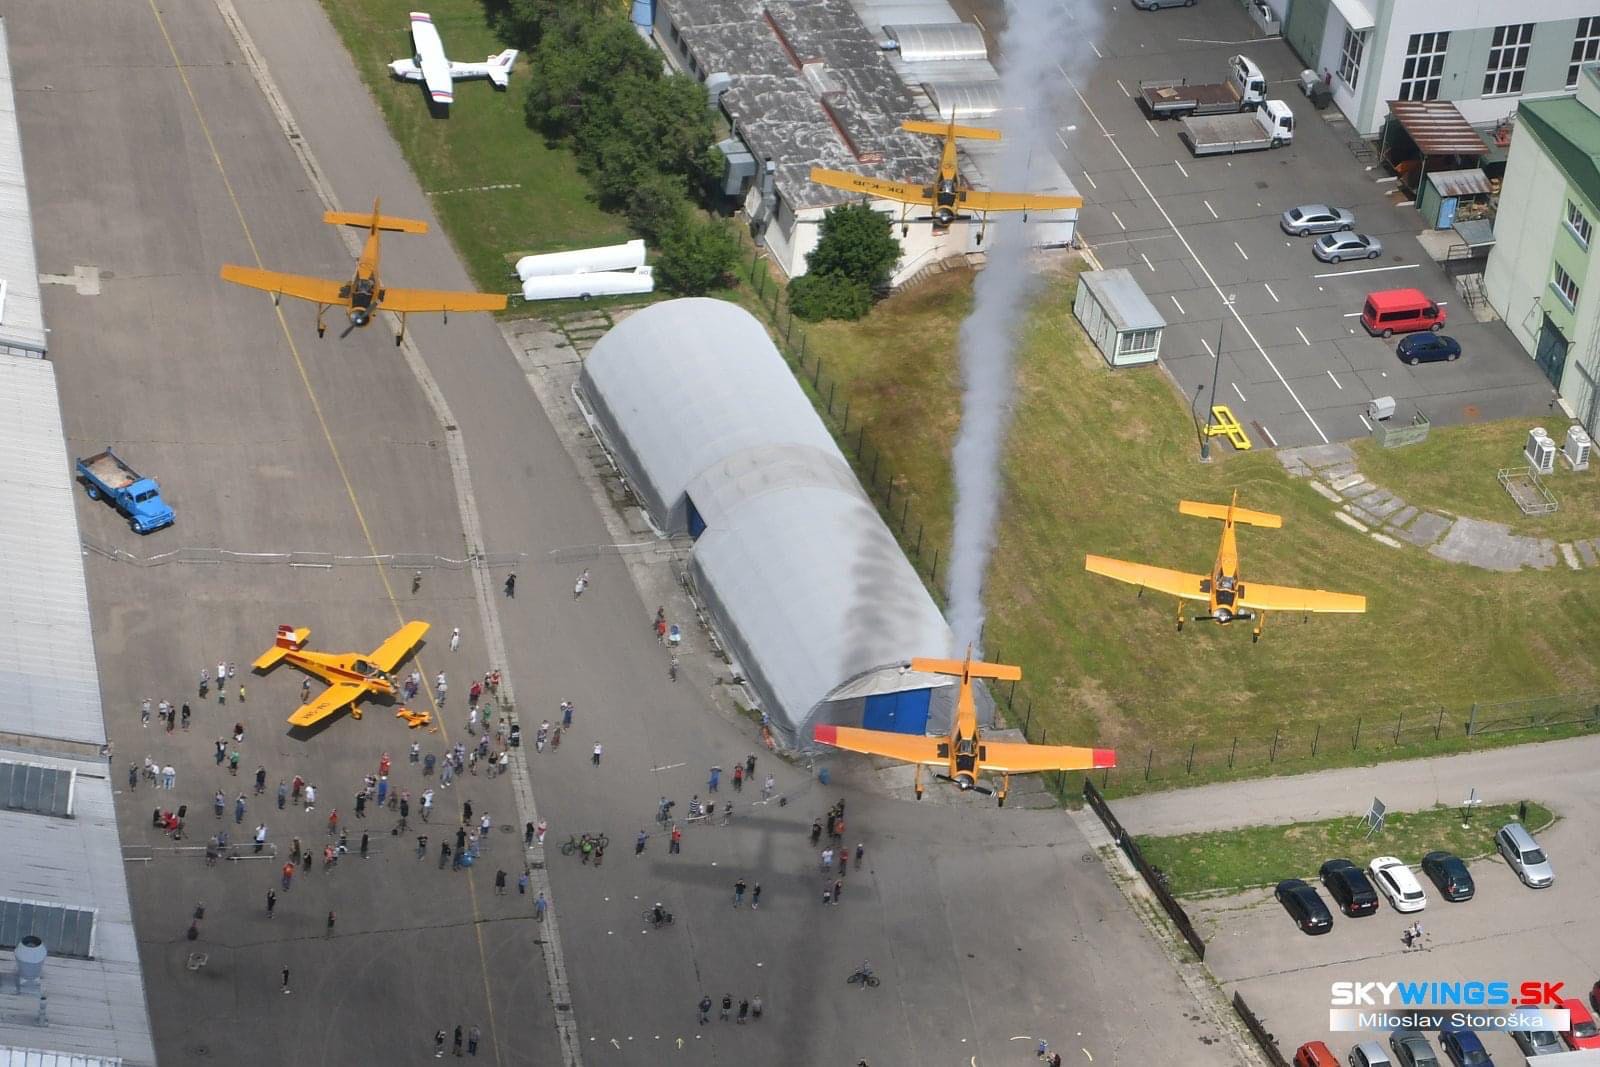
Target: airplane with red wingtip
pixel 350 675
pixel 963 753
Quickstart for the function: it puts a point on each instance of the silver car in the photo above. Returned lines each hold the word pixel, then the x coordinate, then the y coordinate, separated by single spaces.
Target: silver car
pixel 1307 219
pixel 1157 5
pixel 1525 856
pixel 1333 247
pixel 1538 1042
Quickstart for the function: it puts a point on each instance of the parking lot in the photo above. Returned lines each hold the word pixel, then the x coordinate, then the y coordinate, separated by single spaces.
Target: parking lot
pixel 1296 366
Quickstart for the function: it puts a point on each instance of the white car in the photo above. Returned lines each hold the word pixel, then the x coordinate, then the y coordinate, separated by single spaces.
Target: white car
pixel 1395 881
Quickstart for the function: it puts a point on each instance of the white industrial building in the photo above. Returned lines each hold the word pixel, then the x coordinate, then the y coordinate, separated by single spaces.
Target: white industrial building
pixel 1482 55
pixel 806 586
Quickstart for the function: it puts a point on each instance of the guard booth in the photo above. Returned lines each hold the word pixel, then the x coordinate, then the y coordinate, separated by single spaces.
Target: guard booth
pixel 1118 317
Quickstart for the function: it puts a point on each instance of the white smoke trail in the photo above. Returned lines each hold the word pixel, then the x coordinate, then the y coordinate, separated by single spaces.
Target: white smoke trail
pixel 1039 35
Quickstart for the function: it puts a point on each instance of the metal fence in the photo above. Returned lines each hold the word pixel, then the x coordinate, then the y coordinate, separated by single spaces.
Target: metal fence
pixel 1266 1039
pixel 414 560
pixel 1151 875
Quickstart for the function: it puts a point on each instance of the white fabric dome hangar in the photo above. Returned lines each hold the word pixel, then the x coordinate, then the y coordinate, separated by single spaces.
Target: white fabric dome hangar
pixel 807 588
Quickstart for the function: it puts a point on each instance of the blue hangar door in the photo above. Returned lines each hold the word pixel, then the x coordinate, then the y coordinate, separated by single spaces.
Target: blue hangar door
pixel 904 713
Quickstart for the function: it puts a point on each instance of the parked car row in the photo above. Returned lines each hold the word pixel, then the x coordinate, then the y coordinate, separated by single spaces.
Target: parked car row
pixel 1356 891
pixel 1462 1047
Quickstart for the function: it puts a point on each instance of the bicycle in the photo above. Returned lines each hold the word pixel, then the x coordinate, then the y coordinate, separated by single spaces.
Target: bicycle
pixel 575 842
pixel 650 917
pixel 863 976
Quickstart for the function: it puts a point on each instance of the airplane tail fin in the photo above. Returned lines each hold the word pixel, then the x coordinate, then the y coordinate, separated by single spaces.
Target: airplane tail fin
pixel 500 68
pixel 364 219
pixel 956 668
pixel 941 129
pixel 1224 511
pixel 289 640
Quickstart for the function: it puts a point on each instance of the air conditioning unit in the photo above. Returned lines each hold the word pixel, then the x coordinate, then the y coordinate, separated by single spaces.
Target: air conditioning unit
pixel 1540 450
pixel 1575 449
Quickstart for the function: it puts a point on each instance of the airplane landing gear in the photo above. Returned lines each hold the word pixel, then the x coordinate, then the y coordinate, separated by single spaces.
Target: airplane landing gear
pixel 322 326
pixel 917 782
pixel 1005 787
pixel 1180 616
pixel 1261 620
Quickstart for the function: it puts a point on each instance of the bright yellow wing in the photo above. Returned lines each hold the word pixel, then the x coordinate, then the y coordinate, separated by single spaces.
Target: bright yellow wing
pixel 317 290
pixel 1173 583
pixel 397 646
pixel 1287 598
pixel 423 301
pixel 1017 758
pixel 908 747
pixel 977 201
pixel 332 699
pixel 904 192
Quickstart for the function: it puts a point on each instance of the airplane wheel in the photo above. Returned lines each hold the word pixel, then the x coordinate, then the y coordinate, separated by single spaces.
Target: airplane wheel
pixel 321 330
pixel 1002 802
pixel 1254 638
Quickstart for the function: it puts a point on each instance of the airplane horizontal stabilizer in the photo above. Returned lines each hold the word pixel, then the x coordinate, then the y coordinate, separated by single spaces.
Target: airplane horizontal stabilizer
pixel 363 219
pixel 941 129
pixel 956 668
pixel 1222 511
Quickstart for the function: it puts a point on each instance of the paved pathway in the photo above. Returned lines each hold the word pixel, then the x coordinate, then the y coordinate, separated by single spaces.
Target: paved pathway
pixel 1560 774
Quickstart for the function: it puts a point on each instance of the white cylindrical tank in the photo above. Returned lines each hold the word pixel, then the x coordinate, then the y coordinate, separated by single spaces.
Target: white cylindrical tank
pixel 583 286
pixel 582 260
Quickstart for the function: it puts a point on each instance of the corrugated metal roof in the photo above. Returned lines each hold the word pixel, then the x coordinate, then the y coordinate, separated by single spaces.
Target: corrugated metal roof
pixel 11 1056
pixel 32 787
pixel 21 316
pixel 1438 128
pixel 1460 182
pixel 1124 302
pixel 964 100
pixel 938 41
pixel 48 684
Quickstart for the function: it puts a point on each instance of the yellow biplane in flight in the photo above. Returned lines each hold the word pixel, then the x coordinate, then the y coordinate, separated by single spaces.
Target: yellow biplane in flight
pixel 364 295
pixel 350 675
pixel 964 754
pixel 1225 596
pixel 948 198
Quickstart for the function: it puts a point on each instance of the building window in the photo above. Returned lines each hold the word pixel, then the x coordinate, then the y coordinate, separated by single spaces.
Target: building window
pixel 1508 59
pixel 1419 80
pixel 1350 57
pixel 1135 341
pixel 1566 288
pixel 1579 224
pixel 1585 47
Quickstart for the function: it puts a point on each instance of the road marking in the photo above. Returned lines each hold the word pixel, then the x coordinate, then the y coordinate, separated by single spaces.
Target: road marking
pixel 1241 251
pixel 1271 440
pixel 1210 278
pixel 1119 220
pixel 1352 314
pixel 1179 165
pixel 1097 51
pixel 1302 334
pixel 1207 346
pixel 1087 176
pixel 1152 128
pixel 1364 421
pixel 1334 380
pixel 1211 209
pixel 1367 270
pixel 1234 386
pixel 1147 262
pixel 1124 88
pixel 668 767
pixel 1270 293
pixel 1176 304
pixel 1385 181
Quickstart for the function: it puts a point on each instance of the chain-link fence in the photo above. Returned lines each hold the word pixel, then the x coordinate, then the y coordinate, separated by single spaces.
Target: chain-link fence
pixel 414 560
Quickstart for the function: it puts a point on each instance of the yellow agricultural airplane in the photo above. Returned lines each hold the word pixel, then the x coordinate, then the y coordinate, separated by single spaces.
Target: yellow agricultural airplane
pixel 363 295
pixel 948 198
pixel 350 675
pixel 1226 597
pixel 964 753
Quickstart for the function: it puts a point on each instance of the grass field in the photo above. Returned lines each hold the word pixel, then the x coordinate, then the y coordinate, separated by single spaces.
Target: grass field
pixel 1266 855
pixel 464 161
pixel 1096 463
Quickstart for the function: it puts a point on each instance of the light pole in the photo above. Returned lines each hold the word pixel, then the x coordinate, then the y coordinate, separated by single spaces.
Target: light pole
pixel 1205 438
pixel 1195 416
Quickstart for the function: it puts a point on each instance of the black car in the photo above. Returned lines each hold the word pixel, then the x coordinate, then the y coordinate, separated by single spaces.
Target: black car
pixel 1449 874
pixel 1304 906
pixel 1428 348
pixel 1348 886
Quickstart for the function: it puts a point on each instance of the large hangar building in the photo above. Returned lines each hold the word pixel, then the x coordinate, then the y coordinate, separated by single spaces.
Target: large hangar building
pixel 807 588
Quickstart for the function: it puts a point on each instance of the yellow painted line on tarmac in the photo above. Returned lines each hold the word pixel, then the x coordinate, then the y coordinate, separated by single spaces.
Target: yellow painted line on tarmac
pixel 338 462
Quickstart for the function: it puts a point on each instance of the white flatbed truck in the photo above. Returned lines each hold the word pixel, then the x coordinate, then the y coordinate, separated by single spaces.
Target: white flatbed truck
pixel 1269 126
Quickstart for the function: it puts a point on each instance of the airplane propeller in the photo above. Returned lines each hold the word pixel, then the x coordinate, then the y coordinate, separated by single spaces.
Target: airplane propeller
pixel 963 785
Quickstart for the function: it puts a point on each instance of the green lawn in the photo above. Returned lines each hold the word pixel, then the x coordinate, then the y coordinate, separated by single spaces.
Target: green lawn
pixel 484 144
pixel 1265 855
pixel 1097 462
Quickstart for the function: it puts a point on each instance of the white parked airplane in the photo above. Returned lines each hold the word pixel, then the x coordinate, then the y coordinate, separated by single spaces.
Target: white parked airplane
pixel 430 66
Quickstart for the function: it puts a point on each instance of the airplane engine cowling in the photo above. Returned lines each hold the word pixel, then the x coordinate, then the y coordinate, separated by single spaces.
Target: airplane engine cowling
pixel 360 317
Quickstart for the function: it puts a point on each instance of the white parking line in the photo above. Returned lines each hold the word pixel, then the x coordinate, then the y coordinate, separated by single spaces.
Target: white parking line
pixel 1207 345
pixel 1364 421
pixel 1097 51
pixel 1270 293
pixel 1211 209
pixel 1124 88
pixel 1271 440
pixel 1179 165
pixel 1087 176
pixel 1241 251
pixel 1385 181
pixel 1176 304
pixel 1302 334
pixel 1235 388
pixel 1119 220
pixel 1152 128
pixel 1352 314
pixel 1367 270
pixel 1334 380
pixel 1147 262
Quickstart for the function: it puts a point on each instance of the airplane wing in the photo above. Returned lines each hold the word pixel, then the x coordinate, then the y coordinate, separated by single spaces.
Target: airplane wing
pixel 1287 598
pixel 435 300
pixel 908 747
pixel 978 201
pixel 397 646
pixel 1018 758
pixel 904 192
pixel 430 57
pixel 332 699
pixel 317 290
pixel 1174 583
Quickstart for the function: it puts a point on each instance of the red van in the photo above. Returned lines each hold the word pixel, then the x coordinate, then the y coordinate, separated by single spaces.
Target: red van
pixel 1315 1054
pixel 1392 311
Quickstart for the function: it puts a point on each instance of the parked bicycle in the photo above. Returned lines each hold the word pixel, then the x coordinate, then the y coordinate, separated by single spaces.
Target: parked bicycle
pixel 658 916
pixel 863 976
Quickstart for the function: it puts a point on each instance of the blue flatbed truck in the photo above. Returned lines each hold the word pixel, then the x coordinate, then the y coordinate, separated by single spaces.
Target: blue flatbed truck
pixel 139 498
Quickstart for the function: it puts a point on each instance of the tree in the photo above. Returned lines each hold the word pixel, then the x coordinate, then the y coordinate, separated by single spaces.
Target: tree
pixel 645 126
pixel 657 205
pixel 858 243
pixel 696 255
pixel 814 297
pixel 521 23
pixel 577 66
